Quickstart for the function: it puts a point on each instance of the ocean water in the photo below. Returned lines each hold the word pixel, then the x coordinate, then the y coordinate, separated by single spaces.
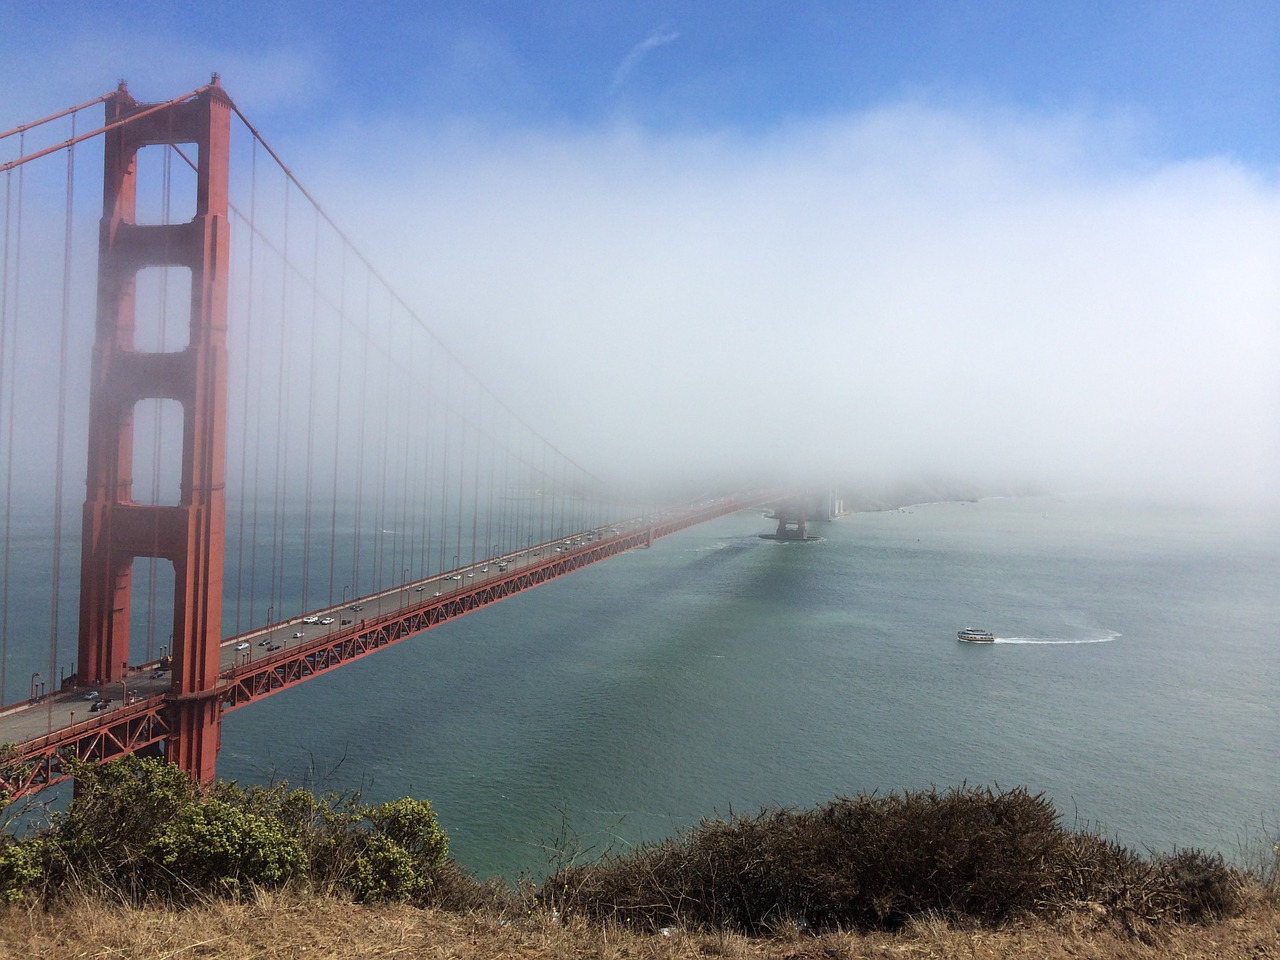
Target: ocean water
pixel 1135 681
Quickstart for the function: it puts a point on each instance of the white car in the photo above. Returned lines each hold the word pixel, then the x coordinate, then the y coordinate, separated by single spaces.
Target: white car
pixel 326 620
pixel 310 619
pixel 243 645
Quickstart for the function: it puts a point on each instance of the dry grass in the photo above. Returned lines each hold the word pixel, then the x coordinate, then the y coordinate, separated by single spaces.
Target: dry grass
pixel 286 925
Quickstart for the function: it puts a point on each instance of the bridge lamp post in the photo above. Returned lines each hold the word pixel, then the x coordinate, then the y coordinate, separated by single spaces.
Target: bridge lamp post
pixel 345 588
pixel 34 677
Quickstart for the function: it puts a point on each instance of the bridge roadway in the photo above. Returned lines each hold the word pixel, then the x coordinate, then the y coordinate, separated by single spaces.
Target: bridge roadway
pixel 271 658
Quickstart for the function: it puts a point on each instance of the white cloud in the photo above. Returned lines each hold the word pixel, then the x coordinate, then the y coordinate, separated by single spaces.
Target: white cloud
pixel 909 287
pixel 658 38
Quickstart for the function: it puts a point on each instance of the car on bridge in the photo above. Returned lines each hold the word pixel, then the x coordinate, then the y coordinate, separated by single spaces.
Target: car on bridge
pixel 242 645
pixel 326 620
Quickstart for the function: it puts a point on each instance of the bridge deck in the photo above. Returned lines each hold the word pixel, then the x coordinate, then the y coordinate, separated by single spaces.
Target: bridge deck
pixel 272 658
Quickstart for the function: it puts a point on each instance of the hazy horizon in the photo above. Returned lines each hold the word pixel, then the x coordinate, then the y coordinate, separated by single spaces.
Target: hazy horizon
pixel 902 247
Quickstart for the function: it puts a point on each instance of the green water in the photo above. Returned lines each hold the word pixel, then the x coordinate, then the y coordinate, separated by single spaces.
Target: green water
pixel 1135 681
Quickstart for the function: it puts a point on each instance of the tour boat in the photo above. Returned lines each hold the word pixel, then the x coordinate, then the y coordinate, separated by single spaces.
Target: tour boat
pixel 973 635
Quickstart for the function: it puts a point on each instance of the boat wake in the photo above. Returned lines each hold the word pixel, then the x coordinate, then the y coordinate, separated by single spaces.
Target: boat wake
pixel 1107 638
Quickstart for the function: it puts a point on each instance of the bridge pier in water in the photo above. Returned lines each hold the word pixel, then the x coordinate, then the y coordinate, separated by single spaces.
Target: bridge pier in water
pixel 116 529
pixel 792 527
pixel 794 513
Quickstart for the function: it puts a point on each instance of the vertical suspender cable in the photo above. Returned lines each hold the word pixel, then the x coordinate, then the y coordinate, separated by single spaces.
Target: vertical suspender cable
pixel 64 331
pixel 475 482
pixel 380 528
pixel 157 438
pixel 246 406
pixel 406 533
pixel 337 419
pixel 362 415
pixel 421 439
pixel 490 542
pixel 8 369
pixel 279 499
pixel 311 407
pixel 491 536
pixel 444 465
pixel 462 460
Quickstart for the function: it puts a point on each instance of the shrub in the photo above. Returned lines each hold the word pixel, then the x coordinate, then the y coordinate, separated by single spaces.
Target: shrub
pixel 138 828
pixel 215 847
pixel 326 826
pixel 22 868
pixel 412 824
pixel 1200 886
pixel 101 838
pixel 874 862
pixel 384 870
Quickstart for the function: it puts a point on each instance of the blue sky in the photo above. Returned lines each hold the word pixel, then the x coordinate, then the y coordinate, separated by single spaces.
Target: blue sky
pixel 1198 76
pixel 1074 207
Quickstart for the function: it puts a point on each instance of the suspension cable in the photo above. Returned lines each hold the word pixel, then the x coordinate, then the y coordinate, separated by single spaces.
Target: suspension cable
pixel 24 127
pixel 106 128
pixel 8 378
pixel 63 350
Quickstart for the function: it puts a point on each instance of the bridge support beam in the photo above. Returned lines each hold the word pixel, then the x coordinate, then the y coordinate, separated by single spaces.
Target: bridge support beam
pixel 190 534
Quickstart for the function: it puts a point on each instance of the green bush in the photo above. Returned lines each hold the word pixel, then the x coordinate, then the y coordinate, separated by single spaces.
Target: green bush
pixel 99 842
pixel 413 825
pixel 214 847
pixel 384 870
pixel 139 829
pixel 22 868
pixel 327 827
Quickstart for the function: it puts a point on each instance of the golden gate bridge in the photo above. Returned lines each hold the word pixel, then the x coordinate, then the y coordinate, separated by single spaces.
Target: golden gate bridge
pixel 286 468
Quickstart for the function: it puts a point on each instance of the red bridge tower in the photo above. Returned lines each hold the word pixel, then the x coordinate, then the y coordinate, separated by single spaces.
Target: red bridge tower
pixel 190 534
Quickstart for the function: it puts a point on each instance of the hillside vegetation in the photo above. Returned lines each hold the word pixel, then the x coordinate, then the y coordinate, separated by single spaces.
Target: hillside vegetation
pixel 144 864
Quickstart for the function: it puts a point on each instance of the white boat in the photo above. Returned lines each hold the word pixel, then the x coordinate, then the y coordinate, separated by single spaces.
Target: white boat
pixel 974 635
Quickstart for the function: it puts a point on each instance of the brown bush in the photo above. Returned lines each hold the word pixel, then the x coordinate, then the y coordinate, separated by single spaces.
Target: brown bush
pixel 970 856
pixel 453 889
